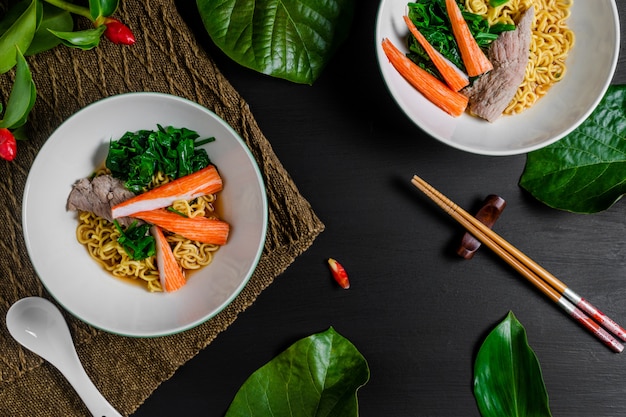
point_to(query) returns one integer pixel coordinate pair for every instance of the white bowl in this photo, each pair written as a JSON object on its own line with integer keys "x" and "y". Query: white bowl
{"x": 76, "y": 281}
{"x": 591, "y": 65}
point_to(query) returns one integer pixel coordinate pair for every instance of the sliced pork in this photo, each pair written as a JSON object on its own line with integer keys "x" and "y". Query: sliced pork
{"x": 98, "y": 196}
{"x": 490, "y": 94}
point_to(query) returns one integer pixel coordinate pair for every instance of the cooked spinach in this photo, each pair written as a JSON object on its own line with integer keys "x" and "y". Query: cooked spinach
{"x": 137, "y": 156}
{"x": 136, "y": 240}
{"x": 431, "y": 19}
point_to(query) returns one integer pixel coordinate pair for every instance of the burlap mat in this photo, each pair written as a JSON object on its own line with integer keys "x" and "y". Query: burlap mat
{"x": 166, "y": 58}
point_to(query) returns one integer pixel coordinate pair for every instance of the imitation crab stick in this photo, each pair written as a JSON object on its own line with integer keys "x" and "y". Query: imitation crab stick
{"x": 202, "y": 182}
{"x": 453, "y": 76}
{"x": 201, "y": 229}
{"x": 474, "y": 59}
{"x": 170, "y": 273}
{"x": 450, "y": 101}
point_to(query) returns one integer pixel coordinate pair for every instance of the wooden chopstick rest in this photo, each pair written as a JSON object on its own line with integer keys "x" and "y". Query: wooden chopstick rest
{"x": 488, "y": 214}
{"x": 574, "y": 305}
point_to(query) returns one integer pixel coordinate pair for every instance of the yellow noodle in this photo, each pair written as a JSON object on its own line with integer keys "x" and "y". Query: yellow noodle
{"x": 550, "y": 44}
{"x": 100, "y": 236}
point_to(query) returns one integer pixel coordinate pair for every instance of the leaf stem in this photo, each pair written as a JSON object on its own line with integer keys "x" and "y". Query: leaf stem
{"x": 72, "y": 8}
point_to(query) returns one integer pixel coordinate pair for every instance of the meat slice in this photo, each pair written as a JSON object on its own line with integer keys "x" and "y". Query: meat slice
{"x": 492, "y": 92}
{"x": 98, "y": 196}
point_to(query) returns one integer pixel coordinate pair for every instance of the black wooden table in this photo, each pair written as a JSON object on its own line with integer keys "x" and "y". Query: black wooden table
{"x": 416, "y": 311}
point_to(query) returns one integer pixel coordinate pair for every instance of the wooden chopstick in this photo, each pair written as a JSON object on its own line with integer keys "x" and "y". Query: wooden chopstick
{"x": 548, "y": 284}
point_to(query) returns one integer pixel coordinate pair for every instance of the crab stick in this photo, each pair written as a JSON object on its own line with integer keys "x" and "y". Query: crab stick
{"x": 202, "y": 182}
{"x": 201, "y": 229}
{"x": 475, "y": 60}
{"x": 170, "y": 273}
{"x": 435, "y": 90}
{"x": 454, "y": 77}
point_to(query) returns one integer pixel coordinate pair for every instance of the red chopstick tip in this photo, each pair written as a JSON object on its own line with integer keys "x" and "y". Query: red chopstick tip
{"x": 591, "y": 325}
{"x": 548, "y": 284}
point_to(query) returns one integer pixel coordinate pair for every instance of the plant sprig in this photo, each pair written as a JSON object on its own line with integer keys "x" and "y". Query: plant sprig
{"x": 34, "y": 26}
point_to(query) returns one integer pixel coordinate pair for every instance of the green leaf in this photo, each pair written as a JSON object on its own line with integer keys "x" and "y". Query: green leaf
{"x": 585, "y": 171}
{"x": 507, "y": 375}
{"x": 13, "y": 14}
{"x": 82, "y": 39}
{"x": 291, "y": 40}
{"x": 55, "y": 19}
{"x": 18, "y": 34}
{"x": 102, "y": 8}
{"x": 316, "y": 376}
{"x": 431, "y": 19}
{"x": 20, "y": 133}
{"x": 137, "y": 156}
{"x": 136, "y": 240}
{"x": 22, "y": 97}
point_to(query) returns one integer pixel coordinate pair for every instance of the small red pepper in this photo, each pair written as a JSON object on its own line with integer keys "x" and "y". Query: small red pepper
{"x": 118, "y": 33}
{"x": 339, "y": 273}
{"x": 8, "y": 145}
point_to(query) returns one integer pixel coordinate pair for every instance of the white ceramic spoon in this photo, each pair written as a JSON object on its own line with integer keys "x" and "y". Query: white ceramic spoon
{"x": 39, "y": 326}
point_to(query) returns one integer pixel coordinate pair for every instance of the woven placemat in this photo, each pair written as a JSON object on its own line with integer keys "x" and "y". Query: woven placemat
{"x": 166, "y": 58}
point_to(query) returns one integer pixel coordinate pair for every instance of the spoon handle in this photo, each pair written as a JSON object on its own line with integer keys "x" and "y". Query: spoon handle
{"x": 91, "y": 396}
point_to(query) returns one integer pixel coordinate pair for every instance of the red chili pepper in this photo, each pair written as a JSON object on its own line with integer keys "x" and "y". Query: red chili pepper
{"x": 8, "y": 145}
{"x": 118, "y": 33}
{"x": 339, "y": 273}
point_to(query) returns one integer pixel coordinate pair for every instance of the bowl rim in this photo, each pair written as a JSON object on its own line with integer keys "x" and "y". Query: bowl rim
{"x": 263, "y": 205}
{"x": 381, "y": 61}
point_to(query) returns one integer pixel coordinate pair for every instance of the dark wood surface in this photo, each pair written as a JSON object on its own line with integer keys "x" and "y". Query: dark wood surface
{"x": 416, "y": 310}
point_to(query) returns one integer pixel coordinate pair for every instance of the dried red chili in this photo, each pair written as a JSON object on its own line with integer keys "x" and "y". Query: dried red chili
{"x": 8, "y": 145}
{"x": 339, "y": 273}
{"x": 118, "y": 33}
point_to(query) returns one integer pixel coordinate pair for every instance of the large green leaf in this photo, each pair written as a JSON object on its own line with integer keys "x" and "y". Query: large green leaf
{"x": 293, "y": 39}
{"x": 585, "y": 172}
{"x": 19, "y": 33}
{"x": 317, "y": 376}
{"x": 507, "y": 376}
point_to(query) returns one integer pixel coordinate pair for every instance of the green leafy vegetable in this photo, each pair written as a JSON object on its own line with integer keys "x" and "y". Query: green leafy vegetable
{"x": 431, "y": 19}
{"x": 507, "y": 375}
{"x": 496, "y": 3}
{"x": 585, "y": 172}
{"x": 137, "y": 156}
{"x": 292, "y": 40}
{"x": 136, "y": 240}
{"x": 316, "y": 376}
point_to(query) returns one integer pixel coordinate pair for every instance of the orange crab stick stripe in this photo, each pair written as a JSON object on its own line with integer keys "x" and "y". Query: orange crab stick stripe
{"x": 202, "y": 182}
{"x": 450, "y": 101}
{"x": 474, "y": 59}
{"x": 170, "y": 273}
{"x": 201, "y": 229}
{"x": 454, "y": 77}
